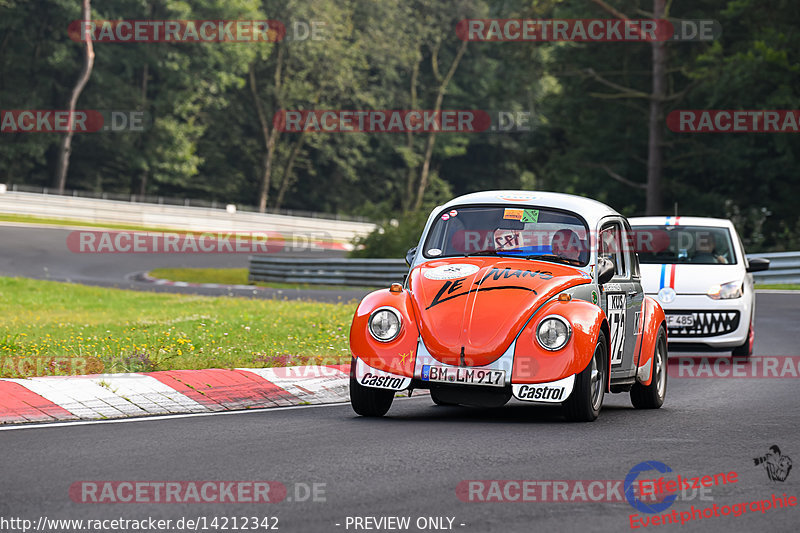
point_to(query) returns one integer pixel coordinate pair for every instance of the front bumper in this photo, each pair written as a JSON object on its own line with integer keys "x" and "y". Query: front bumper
{"x": 718, "y": 324}
{"x": 547, "y": 392}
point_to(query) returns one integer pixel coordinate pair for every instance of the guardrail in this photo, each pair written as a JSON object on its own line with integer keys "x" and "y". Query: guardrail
{"x": 176, "y": 217}
{"x": 352, "y": 272}
{"x": 167, "y": 200}
{"x": 784, "y": 267}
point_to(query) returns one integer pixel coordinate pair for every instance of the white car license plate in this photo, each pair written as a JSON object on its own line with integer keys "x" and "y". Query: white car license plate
{"x": 465, "y": 376}
{"x": 680, "y": 321}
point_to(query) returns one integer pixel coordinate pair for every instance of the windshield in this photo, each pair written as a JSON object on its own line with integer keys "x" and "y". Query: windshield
{"x": 519, "y": 231}
{"x": 700, "y": 245}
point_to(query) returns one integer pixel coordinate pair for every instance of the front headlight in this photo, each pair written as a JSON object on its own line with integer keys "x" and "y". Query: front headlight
{"x": 726, "y": 291}
{"x": 384, "y": 324}
{"x": 553, "y": 332}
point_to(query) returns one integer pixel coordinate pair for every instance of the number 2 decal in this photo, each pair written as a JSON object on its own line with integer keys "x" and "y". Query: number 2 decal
{"x": 616, "y": 323}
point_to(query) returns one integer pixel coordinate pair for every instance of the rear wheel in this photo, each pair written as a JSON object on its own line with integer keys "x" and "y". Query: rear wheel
{"x": 652, "y": 396}
{"x": 586, "y": 399}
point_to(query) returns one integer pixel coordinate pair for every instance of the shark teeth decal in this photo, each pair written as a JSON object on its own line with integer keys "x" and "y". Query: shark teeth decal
{"x": 706, "y": 323}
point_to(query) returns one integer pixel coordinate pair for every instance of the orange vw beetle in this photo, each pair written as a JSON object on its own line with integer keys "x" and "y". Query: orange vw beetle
{"x": 531, "y": 295}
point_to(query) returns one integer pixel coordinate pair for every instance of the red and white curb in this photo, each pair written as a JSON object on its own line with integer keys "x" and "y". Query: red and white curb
{"x": 104, "y": 396}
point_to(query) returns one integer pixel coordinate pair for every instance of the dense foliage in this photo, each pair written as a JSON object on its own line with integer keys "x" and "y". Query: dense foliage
{"x": 212, "y": 107}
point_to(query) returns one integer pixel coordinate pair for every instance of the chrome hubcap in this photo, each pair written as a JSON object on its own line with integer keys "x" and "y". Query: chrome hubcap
{"x": 660, "y": 375}
{"x": 596, "y": 382}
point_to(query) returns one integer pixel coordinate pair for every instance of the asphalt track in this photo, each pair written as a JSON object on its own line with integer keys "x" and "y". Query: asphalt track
{"x": 411, "y": 462}
{"x": 42, "y": 253}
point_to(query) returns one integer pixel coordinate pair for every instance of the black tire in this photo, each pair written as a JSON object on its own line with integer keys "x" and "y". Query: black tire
{"x": 652, "y": 396}
{"x": 746, "y": 349}
{"x": 586, "y": 400}
{"x": 369, "y": 401}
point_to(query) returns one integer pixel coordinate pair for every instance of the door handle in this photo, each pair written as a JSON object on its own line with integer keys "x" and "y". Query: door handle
{"x": 633, "y": 293}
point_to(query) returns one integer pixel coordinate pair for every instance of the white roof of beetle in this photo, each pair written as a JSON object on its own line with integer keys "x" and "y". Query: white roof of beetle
{"x": 591, "y": 210}
{"x": 680, "y": 221}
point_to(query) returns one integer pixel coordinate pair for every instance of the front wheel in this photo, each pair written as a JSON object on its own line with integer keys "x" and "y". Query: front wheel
{"x": 586, "y": 399}
{"x": 369, "y": 401}
{"x": 746, "y": 349}
{"x": 652, "y": 396}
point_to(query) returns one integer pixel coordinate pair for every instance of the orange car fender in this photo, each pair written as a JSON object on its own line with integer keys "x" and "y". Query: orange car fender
{"x": 396, "y": 356}
{"x": 534, "y": 364}
{"x": 652, "y": 320}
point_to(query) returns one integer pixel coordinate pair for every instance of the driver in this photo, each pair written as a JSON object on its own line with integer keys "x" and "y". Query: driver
{"x": 705, "y": 251}
{"x": 567, "y": 244}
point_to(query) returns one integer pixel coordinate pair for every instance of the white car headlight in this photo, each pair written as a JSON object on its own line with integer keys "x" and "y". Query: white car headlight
{"x": 553, "y": 332}
{"x": 384, "y": 324}
{"x": 726, "y": 291}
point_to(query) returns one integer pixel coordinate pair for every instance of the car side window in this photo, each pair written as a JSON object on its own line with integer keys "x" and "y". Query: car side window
{"x": 630, "y": 251}
{"x": 611, "y": 248}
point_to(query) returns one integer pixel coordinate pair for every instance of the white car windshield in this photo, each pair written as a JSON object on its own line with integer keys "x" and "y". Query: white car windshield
{"x": 704, "y": 245}
{"x": 518, "y": 231}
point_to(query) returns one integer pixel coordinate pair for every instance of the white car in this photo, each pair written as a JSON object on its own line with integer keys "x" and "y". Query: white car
{"x": 697, "y": 270}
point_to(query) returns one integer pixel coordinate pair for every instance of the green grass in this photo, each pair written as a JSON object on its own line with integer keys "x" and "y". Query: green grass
{"x": 234, "y": 276}
{"x": 224, "y": 276}
{"x": 57, "y": 328}
{"x": 779, "y": 286}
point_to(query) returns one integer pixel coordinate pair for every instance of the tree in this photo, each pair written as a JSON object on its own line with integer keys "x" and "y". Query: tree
{"x": 88, "y": 62}
{"x": 656, "y": 119}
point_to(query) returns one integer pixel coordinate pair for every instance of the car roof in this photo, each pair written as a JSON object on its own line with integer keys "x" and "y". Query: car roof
{"x": 681, "y": 221}
{"x": 591, "y": 210}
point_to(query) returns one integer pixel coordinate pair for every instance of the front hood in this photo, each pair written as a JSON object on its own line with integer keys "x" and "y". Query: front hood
{"x": 688, "y": 278}
{"x": 471, "y": 309}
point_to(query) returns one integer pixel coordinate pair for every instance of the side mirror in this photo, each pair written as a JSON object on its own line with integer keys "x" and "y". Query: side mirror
{"x": 605, "y": 270}
{"x": 757, "y": 264}
{"x": 410, "y": 255}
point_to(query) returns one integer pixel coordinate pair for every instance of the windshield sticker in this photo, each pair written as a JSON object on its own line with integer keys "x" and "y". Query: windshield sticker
{"x": 530, "y": 215}
{"x": 434, "y": 252}
{"x": 453, "y": 213}
{"x": 445, "y": 217}
{"x": 513, "y": 214}
{"x": 506, "y": 240}
{"x": 454, "y": 271}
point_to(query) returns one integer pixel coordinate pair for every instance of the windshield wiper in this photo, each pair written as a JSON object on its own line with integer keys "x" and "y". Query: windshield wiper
{"x": 554, "y": 258}
{"x": 482, "y": 252}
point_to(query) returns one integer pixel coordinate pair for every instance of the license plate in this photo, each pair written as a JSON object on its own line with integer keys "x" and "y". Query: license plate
{"x": 680, "y": 321}
{"x": 464, "y": 376}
